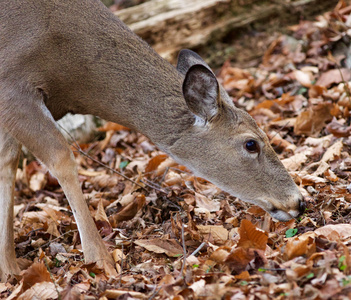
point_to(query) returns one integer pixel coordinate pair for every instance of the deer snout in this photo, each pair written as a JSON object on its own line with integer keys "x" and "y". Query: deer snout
{"x": 302, "y": 206}
{"x": 296, "y": 208}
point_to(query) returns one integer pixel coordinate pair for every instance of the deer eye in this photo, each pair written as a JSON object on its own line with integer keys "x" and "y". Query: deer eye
{"x": 252, "y": 146}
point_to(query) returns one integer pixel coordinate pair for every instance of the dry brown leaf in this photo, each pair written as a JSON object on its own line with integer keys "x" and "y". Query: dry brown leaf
{"x": 129, "y": 211}
{"x": 307, "y": 179}
{"x": 220, "y": 254}
{"x": 112, "y": 126}
{"x": 302, "y": 245}
{"x": 297, "y": 271}
{"x": 277, "y": 141}
{"x": 42, "y": 291}
{"x": 36, "y": 273}
{"x": 243, "y": 276}
{"x": 105, "y": 180}
{"x": 203, "y": 202}
{"x": 335, "y": 232}
{"x": 155, "y": 162}
{"x": 294, "y": 162}
{"x": 251, "y": 236}
{"x": 316, "y": 91}
{"x": 323, "y": 141}
{"x": 91, "y": 173}
{"x": 118, "y": 255}
{"x": 334, "y": 76}
{"x": 256, "y": 211}
{"x": 170, "y": 247}
{"x": 333, "y": 151}
{"x": 338, "y": 129}
{"x": 165, "y": 165}
{"x": 215, "y": 234}
{"x": 100, "y": 214}
{"x": 173, "y": 178}
{"x": 52, "y": 229}
{"x": 238, "y": 259}
{"x": 35, "y": 217}
{"x": 331, "y": 176}
{"x": 37, "y": 181}
{"x": 114, "y": 294}
{"x": 304, "y": 78}
{"x": 313, "y": 120}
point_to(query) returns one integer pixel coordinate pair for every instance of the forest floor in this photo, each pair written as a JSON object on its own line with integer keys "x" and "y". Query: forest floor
{"x": 175, "y": 236}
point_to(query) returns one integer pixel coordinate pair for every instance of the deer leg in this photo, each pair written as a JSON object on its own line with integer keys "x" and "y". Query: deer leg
{"x": 30, "y": 122}
{"x": 9, "y": 155}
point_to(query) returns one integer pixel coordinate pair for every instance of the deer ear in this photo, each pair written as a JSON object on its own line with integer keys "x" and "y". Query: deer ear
{"x": 188, "y": 58}
{"x": 201, "y": 92}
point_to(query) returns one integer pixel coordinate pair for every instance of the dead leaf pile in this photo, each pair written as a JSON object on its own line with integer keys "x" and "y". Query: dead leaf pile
{"x": 175, "y": 236}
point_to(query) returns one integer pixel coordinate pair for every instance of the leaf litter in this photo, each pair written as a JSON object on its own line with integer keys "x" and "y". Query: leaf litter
{"x": 175, "y": 236}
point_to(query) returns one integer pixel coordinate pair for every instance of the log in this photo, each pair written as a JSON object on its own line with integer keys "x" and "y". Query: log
{"x": 170, "y": 25}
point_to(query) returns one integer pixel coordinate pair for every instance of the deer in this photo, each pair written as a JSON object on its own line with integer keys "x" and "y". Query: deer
{"x": 77, "y": 56}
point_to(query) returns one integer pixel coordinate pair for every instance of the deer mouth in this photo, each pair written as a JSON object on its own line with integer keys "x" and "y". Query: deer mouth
{"x": 281, "y": 215}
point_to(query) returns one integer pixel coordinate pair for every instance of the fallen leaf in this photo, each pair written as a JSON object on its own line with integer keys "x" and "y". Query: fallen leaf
{"x": 168, "y": 246}
{"x": 41, "y": 290}
{"x": 215, "y": 234}
{"x": 203, "y": 202}
{"x": 111, "y": 126}
{"x": 238, "y": 259}
{"x": 155, "y": 162}
{"x": 304, "y": 78}
{"x": 302, "y": 245}
{"x": 334, "y": 76}
{"x": 36, "y": 273}
{"x": 114, "y": 294}
{"x": 294, "y": 162}
{"x": 129, "y": 211}
{"x": 335, "y": 232}
{"x": 313, "y": 120}
{"x": 338, "y": 130}
{"x": 333, "y": 151}
{"x": 251, "y": 236}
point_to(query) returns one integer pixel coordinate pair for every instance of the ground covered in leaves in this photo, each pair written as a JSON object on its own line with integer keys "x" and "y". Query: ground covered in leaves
{"x": 174, "y": 236}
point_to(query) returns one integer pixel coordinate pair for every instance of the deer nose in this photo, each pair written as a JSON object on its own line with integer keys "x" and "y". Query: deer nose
{"x": 302, "y": 206}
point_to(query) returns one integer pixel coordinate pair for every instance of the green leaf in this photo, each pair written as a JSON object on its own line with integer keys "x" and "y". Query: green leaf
{"x": 291, "y": 232}
{"x": 346, "y": 281}
{"x": 262, "y": 270}
{"x": 195, "y": 266}
{"x": 301, "y": 91}
{"x": 92, "y": 274}
{"x": 244, "y": 282}
{"x": 341, "y": 264}
{"x": 309, "y": 276}
{"x": 123, "y": 164}
{"x": 57, "y": 262}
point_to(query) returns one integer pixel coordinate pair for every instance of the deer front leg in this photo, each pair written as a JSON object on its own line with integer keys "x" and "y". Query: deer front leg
{"x": 30, "y": 122}
{"x": 9, "y": 154}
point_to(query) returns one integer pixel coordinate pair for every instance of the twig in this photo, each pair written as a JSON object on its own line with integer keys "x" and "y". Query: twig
{"x": 52, "y": 279}
{"x": 155, "y": 293}
{"x": 198, "y": 249}
{"x": 279, "y": 130}
{"x": 109, "y": 168}
{"x": 79, "y": 149}
{"x": 184, "y": 253}
{"x": 154, "y": 186}
{"x": 70, "y": 231}
{"x": 120, "y": 277}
